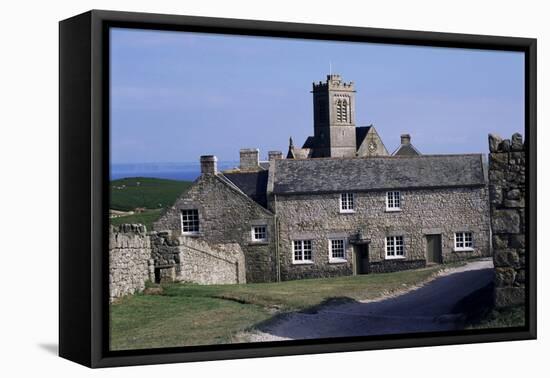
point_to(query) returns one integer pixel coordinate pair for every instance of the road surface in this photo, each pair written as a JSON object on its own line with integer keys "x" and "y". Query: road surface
{"x": 431, "y": 307}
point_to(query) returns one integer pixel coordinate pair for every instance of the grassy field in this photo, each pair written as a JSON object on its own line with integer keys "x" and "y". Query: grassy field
{"x": 146, "y": 218}
{"x": 188, "y": 314}
{"x": 150, "y": 193}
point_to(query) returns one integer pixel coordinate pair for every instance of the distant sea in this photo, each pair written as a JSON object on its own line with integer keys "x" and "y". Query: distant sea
{"x": 187, "y": 171}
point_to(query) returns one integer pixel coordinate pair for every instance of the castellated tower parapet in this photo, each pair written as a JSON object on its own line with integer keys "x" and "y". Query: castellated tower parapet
{"x": 334, "y": 117}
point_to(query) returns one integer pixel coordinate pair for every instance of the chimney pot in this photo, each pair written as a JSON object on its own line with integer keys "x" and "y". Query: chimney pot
{"x": 209, "y": 165}
{"x": 272, "y": 155}
{"x": 250, "y": 159}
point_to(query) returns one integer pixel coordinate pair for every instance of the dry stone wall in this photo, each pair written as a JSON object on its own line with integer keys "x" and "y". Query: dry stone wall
{"x": 187, "y": 259}
{"x": 507, "y": 199}
{"x": 130, "y": 261}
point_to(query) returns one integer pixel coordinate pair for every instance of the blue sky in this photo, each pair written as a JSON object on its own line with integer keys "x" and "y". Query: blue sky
{"x": 178, "y": 95}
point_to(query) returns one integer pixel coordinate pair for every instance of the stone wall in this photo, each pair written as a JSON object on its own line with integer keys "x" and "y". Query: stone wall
{"x": 181, "y": 258}
{"x": 130, "y": 261}
{"x": 226, "y": 215}
{"x": 507, "y": 198}
{"x": 423, "y": 212}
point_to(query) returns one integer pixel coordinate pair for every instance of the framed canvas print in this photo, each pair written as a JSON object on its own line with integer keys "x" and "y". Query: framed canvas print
{"x": 234, "y": 188}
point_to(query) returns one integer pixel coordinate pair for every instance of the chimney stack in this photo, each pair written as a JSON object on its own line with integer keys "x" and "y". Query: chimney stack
{"x": 405, "y": 139}
{"x": 273, "y": 155}
{"x": 250, "y": 159}
{"x": 209, "y": 165}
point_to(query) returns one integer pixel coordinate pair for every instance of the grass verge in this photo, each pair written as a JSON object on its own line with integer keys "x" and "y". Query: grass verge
{"x": 190, "y": 314}
{"x": 513, "y": 316}
{"x": 147, "y": 217}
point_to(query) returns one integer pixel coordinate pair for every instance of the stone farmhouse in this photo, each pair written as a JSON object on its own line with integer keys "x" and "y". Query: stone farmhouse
{"x": 339, "y": 205}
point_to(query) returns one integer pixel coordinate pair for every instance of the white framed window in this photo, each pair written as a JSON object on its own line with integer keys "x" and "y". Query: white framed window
{"x": 347, "y": 203}
{"x": 393, "y": 201}
{"x": 395, "y": 248}
{"x": 190, "y": 221}
{"x": 337, "y": 250}
{"x": 301, "y": 252}
{"x": 259, "y": 233}
{"x": 464, "y": 241}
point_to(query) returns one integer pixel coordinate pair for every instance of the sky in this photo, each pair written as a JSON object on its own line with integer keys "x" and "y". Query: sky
{"x": 178, "y": 95}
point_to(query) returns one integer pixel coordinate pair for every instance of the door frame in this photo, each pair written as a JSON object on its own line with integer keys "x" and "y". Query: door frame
{"x": 440, "y": 248}
{"x": 358, "y": 251}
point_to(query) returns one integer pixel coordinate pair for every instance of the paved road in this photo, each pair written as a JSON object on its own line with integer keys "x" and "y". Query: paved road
{"x": 429, "y": 308}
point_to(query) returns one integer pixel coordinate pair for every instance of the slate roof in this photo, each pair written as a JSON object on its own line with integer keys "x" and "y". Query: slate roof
{"x": 377, "y": 173}
{"x": 309, "y": 143}
{"x": 406, "y": 150}
{"x": 253, "y": 184}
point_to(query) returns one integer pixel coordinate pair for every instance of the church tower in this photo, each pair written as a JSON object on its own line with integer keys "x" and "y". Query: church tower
{"x": 334, "y": 118}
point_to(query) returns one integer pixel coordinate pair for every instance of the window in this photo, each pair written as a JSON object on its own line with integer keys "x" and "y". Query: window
{"x": 394, "y": 247}
{"x": 341, "y": 111}
{"x": 464, "y": 241}
{"x": 346, "y": 203}
{"x": 337, "y": 250}
{"x": 344, "y": 111}
{"x": 301, "y": 251}
{"x": 393, "y": 201}
{"x": 259, "y": 233}
{"x": 190, "y": 221}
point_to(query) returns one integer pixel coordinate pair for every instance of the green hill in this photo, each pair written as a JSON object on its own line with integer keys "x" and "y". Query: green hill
{"x": 151, "y": 193}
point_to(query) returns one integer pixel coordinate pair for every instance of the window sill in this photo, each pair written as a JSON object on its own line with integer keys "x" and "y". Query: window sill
{"x": 347, "y": 211}
{"x": 259, "y": 242}
{"x": 337, "y": 261}
{"x": 392, "y": 210}
{"x": 192, "y": 234}
{"x": 395, "y": 257}
{"x": 463, "y": 249}
{"x": 307, "y": 262}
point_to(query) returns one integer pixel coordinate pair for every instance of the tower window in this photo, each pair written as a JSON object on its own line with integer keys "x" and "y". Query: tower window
{"x": 342, "y": 111}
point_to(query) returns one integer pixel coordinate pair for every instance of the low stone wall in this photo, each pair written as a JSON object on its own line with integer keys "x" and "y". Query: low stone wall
{"x": 181, "y": 258}
{"x": 130, "y": 262}
{"x": 396, "y": 265}
{"x": 507, "y": 200}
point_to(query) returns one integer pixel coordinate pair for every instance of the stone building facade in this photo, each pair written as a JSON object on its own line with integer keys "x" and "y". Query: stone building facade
{"x": 340, "y": 204}
{"x": 508, "y": 222}
{"x": 226, "y": 214}
{"x": 307, "y": 209}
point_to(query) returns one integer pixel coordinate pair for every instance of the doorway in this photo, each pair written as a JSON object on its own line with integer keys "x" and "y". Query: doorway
{"x": 361, "y": 258}
{"x": 433, "y": 249}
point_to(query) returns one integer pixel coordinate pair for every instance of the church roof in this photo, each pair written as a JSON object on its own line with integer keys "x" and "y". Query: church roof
{"x": 253, "y": 184}
{"x": 361, "y": 134}
{"x": 309, "y": 143}
{"x": 377, "y": 173}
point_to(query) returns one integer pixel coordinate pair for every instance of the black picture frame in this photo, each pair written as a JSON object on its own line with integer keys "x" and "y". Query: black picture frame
{"x": 84, "y": 194}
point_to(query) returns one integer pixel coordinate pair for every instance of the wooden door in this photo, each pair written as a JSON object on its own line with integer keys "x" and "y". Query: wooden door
{"x": 433, "y": 249}
{"x": 361, "y": 259}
